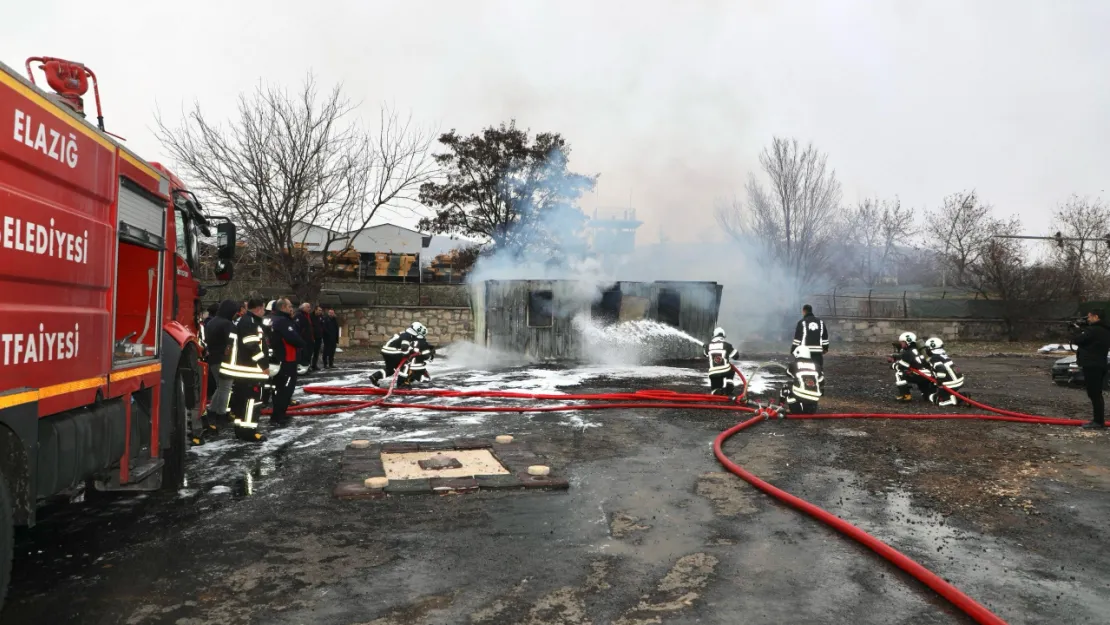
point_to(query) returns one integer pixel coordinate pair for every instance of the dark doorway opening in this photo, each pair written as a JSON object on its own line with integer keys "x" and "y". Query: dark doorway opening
{"x": 607, "y": 310}
{"x": 670, "y": 307}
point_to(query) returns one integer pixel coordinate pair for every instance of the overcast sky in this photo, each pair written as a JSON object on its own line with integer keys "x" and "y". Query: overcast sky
{"x": 670, "y": 102}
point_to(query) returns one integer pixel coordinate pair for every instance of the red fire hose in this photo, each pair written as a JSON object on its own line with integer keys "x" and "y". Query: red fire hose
{"x": 697, "y": 401}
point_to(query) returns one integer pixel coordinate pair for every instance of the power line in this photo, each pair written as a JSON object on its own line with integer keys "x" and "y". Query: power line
{"x": 1059, "y": 238}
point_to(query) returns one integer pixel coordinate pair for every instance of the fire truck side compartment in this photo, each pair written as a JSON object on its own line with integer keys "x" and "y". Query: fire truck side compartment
{"x": 76, "y": 445}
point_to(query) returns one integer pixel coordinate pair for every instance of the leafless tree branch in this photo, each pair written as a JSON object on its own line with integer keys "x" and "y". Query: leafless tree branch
{"x": 289, "y": 160}
{"x": 795, "y": 215}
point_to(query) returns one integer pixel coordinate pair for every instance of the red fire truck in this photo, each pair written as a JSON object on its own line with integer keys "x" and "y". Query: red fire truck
{"x": 101, "y": 376}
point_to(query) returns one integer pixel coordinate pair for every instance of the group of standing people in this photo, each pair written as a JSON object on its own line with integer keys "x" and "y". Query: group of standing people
{"x": 255, "y": 352}
{"x": 319, "y": 327}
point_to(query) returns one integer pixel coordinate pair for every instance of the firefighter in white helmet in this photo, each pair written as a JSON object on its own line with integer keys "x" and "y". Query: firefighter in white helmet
{"x": 399, "y": 348}
{"x": 904, "y": 363}
{"x": 721, "y": 353}
{"x": 946, "y": 373}
{"x": 804, "y": 391}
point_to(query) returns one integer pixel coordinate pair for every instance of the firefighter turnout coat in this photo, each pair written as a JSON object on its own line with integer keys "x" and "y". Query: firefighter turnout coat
{"x": 805, "y": 386}
{"x": 945, "y": 371}
{"x": 401, "y": 344}
{"x": 247, "y": 358}
{"x": 720, "y": 352}
{"x": 812, "y": 333}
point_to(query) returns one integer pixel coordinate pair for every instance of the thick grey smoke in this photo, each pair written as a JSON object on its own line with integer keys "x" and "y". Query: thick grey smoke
{"x": 755, "y": 299}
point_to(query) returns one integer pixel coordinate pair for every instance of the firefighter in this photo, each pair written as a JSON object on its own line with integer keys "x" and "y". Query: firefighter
{"x": 721, "y": 353}
{"x": 218, "y": 335}
{"x": 399, "y": 347}
{"x": 812, "y": 333}
{"x": 903, "y": 363}
{"x": 946, "y": 373}
{"x": 415, "y": 368}
{"x": 287, "y": 346}
{"x": 248, "y": 364}
{"x": 804, "y": 392}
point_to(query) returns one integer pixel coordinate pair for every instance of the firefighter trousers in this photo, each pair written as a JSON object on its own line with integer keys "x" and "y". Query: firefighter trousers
{"x": 285, "y": 382}
{"x": 392, "y": 361}
{"x": 904, "y": 380}
{"x": 722, "y": 383}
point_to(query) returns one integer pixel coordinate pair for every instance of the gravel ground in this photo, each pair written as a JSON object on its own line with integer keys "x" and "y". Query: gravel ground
{"x": 650, "y": 531}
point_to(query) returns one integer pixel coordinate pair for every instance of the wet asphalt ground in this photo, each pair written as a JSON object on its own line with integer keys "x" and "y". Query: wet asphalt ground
{"x": 651, "y": 530}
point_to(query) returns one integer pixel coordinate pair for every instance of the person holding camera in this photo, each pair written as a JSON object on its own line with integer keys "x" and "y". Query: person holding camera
{"x": 1092, "y": 339}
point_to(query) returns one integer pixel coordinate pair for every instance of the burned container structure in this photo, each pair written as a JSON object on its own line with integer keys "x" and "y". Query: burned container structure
{"x": 541, "y": 318}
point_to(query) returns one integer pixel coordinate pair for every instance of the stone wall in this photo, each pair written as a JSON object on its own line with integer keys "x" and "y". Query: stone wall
{"x": 384, "y": 293}
{"x": 372, "y": 326}
{"x": 855, "y": 330}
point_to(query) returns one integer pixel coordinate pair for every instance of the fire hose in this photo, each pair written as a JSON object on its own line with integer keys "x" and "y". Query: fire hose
{"x": 698, "y": 401}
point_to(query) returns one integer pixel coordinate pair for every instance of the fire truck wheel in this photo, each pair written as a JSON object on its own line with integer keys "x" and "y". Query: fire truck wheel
{"x": 173, "y": 473}
{"x": 7, "y": 530}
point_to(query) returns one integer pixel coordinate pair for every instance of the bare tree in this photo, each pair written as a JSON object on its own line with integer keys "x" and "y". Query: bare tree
{"x": 1003, "y": 272}
{"x": 795, "y": 217}
{"x": 876, "y": 235}
{"x": 1084, "y": 264}
{"x": 959, "y": 232}
{"x": 292, "y": 166}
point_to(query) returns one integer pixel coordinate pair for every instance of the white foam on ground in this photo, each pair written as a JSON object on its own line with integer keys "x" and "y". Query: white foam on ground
{"x": 229, "y": 457}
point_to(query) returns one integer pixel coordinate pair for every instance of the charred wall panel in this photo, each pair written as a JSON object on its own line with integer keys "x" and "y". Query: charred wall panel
{"x": 511, "y": 309}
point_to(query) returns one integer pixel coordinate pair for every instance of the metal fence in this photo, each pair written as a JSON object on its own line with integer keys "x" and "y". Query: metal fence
{"x": 910, "y": 305}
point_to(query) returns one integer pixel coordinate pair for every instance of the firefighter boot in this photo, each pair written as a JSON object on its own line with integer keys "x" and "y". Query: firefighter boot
{"x": 249, "y": 434}
{"x": 377, "y": 377}
{"x": 209, "y": 426}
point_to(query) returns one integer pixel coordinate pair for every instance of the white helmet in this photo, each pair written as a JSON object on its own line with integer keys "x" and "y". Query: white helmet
{"x": 934, "y": 343}
{"x": 418, "y": 329}
{"x": 801, "y": 351}
{"x": 908, "y": 337}
{"x": 718, "y": 333}
{"x": 270, "y": 305}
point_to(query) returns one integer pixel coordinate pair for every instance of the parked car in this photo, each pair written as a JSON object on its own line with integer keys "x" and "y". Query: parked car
{"x": 1066, "y": 373}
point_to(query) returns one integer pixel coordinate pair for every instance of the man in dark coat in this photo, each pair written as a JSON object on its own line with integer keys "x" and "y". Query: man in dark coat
{"x": 317, "y": 336}
{"x": 1093, "y": 342}
{"x": 331, "y": 338}
{"x": 302, "y": 319}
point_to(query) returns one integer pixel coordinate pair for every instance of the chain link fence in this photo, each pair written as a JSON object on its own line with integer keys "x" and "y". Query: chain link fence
{"x": 932, "y": 304}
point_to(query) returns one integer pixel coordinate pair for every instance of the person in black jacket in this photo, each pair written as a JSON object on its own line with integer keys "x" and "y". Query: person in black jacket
{"x": 1093, "y": 342}
{"x": 331, "y": 338}
{"x": 302, "y": 320}
{"x": 287, "y": 346}
{"x": 317, "y": 336}
{"x": 811, "y": 333}
{"x": 217, "y": 335}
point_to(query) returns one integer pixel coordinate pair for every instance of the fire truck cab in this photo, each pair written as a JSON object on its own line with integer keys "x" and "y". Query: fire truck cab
{"x": 101, "y": 372}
